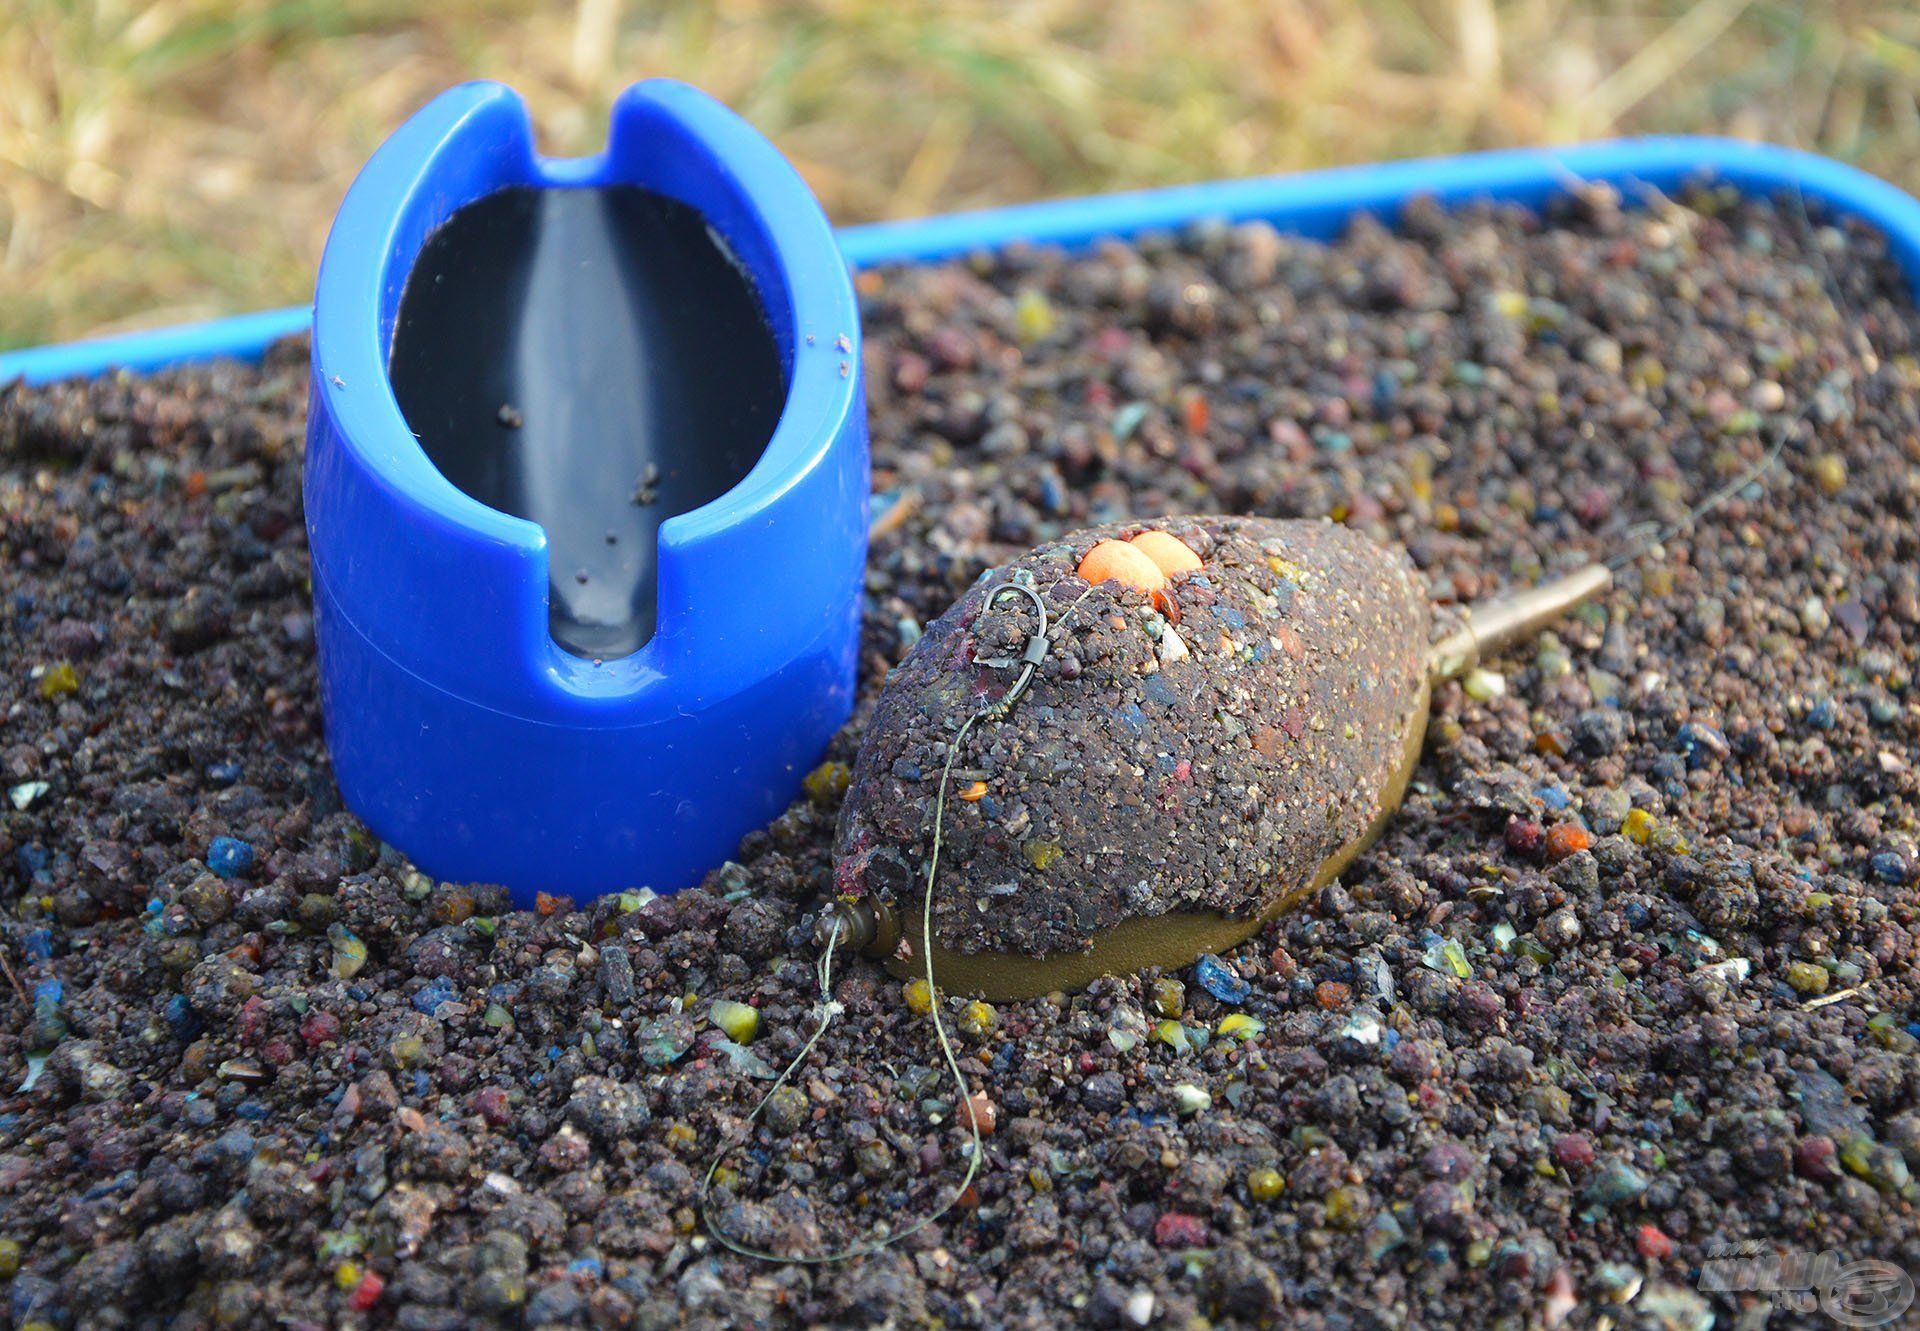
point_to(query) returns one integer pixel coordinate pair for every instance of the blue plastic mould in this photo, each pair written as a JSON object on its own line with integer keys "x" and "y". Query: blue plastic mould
{"x": 465, "y": 690}
{"x": 469, "y": 722}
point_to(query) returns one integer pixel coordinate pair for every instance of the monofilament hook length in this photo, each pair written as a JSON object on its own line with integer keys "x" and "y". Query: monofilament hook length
{"x": 1032, "y": 654}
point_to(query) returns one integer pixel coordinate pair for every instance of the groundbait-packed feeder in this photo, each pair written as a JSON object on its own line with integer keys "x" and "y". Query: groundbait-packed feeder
{"x": 586, "y": 489}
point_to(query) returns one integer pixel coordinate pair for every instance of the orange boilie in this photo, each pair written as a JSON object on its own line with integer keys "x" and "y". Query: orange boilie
{"x": 1143, "y": 562}
{"x": 1119, "y": 561}
{"x": 1171, "y": 555}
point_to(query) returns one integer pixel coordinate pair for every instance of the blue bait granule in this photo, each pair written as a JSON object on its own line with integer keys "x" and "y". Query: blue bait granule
{"x": 432, "y": 994}
{"x": 1221, "y": 980}
{"x": 1700, "y": 744}
{"x": 1053, "y": 494}
{"x": 1386, "y": 388}
{"x": 182, "y": 1018}
{"x": 33, "y": 859}
{"x": 229, "y": 857}
{"x": 1890, "y": 866}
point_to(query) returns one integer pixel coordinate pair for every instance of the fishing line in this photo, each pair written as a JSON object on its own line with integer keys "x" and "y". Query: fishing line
{"x": 1032, "y": 654}
{"x": 1751, "y": 473}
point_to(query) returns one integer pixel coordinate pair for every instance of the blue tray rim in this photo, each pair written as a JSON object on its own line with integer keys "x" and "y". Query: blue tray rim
{"x": 1314, "y": 204}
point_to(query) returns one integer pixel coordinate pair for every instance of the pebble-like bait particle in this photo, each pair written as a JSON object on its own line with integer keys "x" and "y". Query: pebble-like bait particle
{"x": 1221, "y": 980}
{"x": 1043, "y": 855}
{"x": 229, "y": 857}
{"x": 740, "y": 1021}
{"x": 1447, "y": 957}
{"x": 826, "y": 783}
{"x": 977, "y": 1019}
{"x": 1483, "y": 685}
{"x": 919, "y": 997}
{"x": 367, "y": 1293}
{"x": 1830, "y": 473}
{"x": 1173, "y": 1035}
{"x": 1615, "y": 1184}
{"x": 56, "y": 681}
{"x": 1564, "y": 839}
{"x": 1033, "y": 312}
{"x": 1363, "y": 1028}
{"x": 1190, "y": 1099}
{"x": 349, "y": 953}
{"x": 1263, "y": 1185}
{"x": 1807, "y": 978}
{"x": 1638, "y": 826}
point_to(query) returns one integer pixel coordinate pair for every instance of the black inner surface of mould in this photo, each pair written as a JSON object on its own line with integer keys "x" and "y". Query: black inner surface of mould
{"x": 593, "y": 360}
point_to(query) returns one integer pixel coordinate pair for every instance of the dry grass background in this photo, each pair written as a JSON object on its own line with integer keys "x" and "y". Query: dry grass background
{"x": 178, "y": 159}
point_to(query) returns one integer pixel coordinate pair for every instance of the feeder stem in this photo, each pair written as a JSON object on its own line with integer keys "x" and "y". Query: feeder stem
{"x": 1491, "y": 626}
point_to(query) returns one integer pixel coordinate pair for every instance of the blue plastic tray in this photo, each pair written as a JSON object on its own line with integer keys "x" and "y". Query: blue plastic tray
{"x": 1316, "y": 204}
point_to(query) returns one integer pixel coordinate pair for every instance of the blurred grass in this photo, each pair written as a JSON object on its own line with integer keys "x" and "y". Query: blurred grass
{"x": 181, "y": 159}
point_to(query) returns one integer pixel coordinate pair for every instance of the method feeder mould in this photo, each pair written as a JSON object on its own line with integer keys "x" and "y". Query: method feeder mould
{"x": 1184, "y": 730}
{"x": 564, "y": 412}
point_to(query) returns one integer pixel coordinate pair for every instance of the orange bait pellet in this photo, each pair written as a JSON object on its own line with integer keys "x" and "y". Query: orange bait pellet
{"x": 1118, "y": 561}
{"x": 974, "y": 793}
{"x": 1171, "y": 555}
{"x": 1566, "y": 839}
